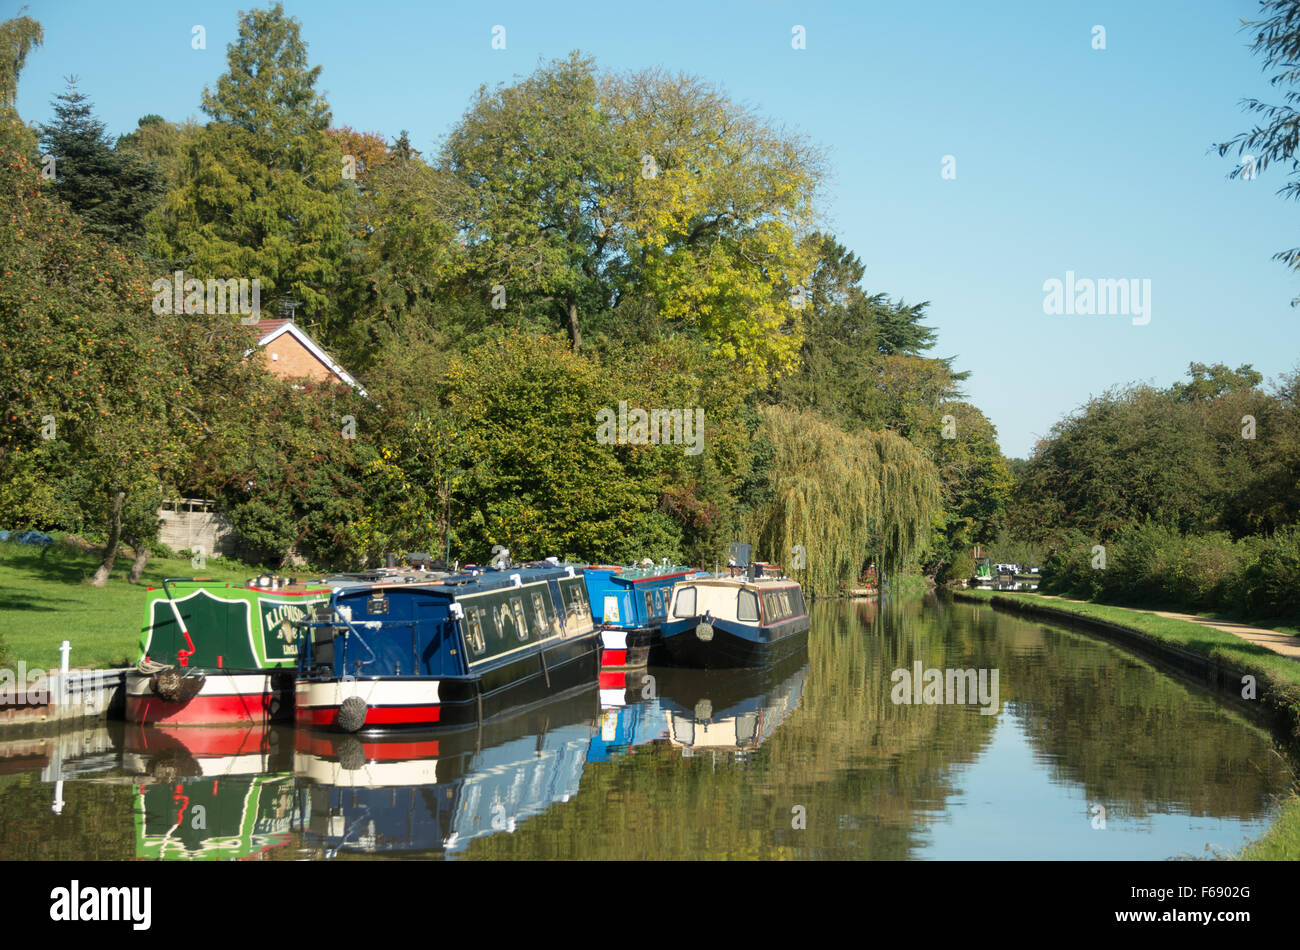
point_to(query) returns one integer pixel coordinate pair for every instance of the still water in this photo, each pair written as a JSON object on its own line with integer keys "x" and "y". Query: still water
{"x": 1089, "y": 753}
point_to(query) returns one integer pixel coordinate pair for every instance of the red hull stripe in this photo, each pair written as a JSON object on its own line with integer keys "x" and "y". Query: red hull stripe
{"x": 203, "y": 710}
{"x": 375, "y": 715}
{"x": 217, "y": 740}
{"x": 316, "y": 744}
{"x": 613, "y": 658}
{"x": 613, "y": 681}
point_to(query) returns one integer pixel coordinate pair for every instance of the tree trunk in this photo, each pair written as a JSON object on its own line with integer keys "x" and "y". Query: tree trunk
{"x": 114, "y": 539}
{"x": 575, "y": 334}
{"x": 141, "y": 559}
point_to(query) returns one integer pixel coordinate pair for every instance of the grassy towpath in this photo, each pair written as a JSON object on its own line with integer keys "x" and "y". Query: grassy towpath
{"x": 45, "y": 599}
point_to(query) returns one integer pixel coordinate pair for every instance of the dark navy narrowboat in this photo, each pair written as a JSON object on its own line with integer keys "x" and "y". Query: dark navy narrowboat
{"x": 455, "y": 651}
{"x": 629, "y": 604}
{"x": 726, "y": 622}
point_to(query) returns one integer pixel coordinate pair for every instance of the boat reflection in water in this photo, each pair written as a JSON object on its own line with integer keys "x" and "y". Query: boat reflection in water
{"x": 629, "y": 716}
{"x": 210, "y": 794}
{"x": 733, "y": 710}
{"x": 434, "y": 793}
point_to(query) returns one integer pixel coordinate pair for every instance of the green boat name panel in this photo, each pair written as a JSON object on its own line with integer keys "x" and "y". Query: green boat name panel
{"x": 280, "y": 630}
{"x": 230, "y": 628}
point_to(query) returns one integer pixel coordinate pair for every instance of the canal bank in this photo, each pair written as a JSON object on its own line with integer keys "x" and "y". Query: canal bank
{"x": 1248, "y": 673}
{"x": 1250, "y": 676}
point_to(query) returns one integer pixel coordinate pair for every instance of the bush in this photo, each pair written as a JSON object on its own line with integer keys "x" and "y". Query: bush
{"x": 1068, "y": 569}
{"x": 1271, "y": 584}
{"x": 962, "y": 567}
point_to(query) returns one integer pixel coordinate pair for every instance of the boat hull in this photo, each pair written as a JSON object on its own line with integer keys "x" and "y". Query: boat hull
{"x": 733, "y": 646}
{"x": 255, "y": 697}
{"x": 626, "y": 649}
{"x": 388, "y": 703}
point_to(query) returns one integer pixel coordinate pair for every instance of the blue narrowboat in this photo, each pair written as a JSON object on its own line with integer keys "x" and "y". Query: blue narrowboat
{"x": 730, "y": 622}
{"x": 456, "y": 651}
{"x": 629, "y": 604}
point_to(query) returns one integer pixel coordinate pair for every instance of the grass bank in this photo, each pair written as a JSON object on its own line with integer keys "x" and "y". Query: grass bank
{"x": 45, "y": 599}
{"x": 1282, "y": 842}
{"x": 1278, "y": 682}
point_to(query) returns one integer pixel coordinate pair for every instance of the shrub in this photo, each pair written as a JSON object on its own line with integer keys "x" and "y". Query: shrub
{"x": 962, "y": 567}
{"x": 1272, "y": 582}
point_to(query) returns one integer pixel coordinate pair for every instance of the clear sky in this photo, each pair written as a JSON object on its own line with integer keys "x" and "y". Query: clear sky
{"x": 1067, "y": 158}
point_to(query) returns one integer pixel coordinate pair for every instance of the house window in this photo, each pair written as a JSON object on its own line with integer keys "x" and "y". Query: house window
{"x": 685, "y": 604}
{"x": 747, "y": 606}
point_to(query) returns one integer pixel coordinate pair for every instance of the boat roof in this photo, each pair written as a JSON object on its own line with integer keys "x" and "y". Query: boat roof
{"x": 639, "y": 575}
{"x": 764, "y": 581}
{"x": 475, "y": 581}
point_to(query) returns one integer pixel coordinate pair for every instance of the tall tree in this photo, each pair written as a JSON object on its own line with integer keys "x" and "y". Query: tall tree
{"x": 535, "y": 160}
{"x": 716, "y": 218}
{"x": 92, "y": 382}
{"x": 263, "y": 193}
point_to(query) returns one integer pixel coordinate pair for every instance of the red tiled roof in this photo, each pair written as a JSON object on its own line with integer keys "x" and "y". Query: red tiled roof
{"x": 269, "y": 326}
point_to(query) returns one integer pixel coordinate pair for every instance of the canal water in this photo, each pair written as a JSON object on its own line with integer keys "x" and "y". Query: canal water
{"x": 1081, "y": 752}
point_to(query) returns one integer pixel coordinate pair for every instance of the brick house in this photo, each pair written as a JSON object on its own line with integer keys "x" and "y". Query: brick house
{"x": 292, "y": 354}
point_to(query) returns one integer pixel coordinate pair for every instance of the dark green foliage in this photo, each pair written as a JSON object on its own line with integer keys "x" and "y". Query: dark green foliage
{"x": 113, "y": 191}
{"x": 1152, "y": 565}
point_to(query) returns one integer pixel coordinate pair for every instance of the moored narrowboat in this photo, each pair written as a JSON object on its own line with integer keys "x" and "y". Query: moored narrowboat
{"x": 455, "y": 651}
{"x": 214, "y": 653}
{"x": 726, "y": 622}
{"x": 628, "y": 605}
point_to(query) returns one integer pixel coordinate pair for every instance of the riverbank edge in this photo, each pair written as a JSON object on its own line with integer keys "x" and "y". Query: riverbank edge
{"x": 1282, "y": 698}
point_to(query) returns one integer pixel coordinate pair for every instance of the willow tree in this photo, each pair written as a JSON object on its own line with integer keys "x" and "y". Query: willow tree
{"x": 844, "y": 499}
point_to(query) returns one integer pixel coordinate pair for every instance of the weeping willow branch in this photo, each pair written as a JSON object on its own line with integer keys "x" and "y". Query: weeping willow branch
{"x": 845, "y": 499}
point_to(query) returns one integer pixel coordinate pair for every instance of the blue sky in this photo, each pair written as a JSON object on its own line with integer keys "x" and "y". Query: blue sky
{"x": 1067, "y": 158}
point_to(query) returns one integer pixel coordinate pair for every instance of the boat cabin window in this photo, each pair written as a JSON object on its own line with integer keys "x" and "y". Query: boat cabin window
{"x": 747, "y": 606}
{"x": 474, "y": 630}
{"x": 659, "y": 603}
{"x": 577, "y": 610}
{"x": 543, "y": 624}
{"x": 521, "y": 626}
{"x": 649, "y": 605}
{"x": 685, "y": 605}
{"x": 777, "y": 605}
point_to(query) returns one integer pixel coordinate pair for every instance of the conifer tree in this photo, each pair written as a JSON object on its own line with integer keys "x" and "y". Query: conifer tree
{"x": 112, "y": 191}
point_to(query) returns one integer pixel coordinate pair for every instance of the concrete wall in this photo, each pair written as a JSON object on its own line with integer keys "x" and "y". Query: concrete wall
{"x": 86, "y": 694}
{"x": 189, "y": 524}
